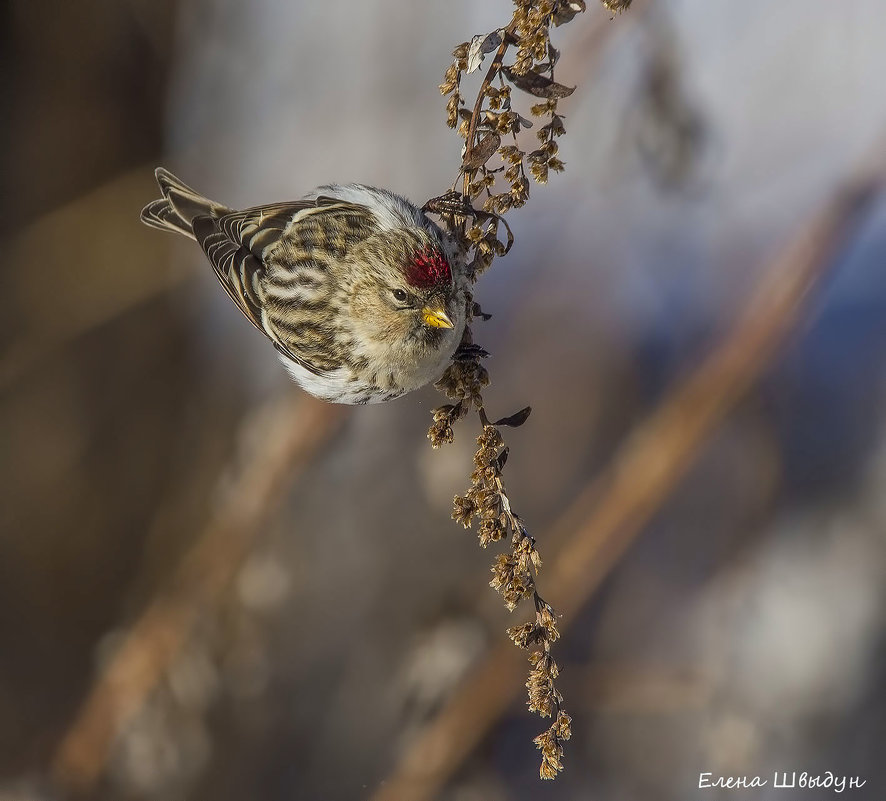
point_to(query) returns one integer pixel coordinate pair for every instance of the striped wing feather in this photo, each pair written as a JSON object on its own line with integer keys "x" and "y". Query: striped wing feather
{"x": 237, "y": 243}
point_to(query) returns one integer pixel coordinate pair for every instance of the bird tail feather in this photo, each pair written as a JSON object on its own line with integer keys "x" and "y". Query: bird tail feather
{"x": 179, "y": 206}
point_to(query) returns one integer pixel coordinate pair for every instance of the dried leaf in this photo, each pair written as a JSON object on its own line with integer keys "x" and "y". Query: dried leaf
{"x": 482, "y": 151}
{"x": 537, "y": 84}
{"x": 510, "y": 242}
{"x": 501, "y": 459}
{"x": 480, "y": 46}
{"x": 495, "y": 219}
{"x": 515, "y": 420}
{"x": 478, "y": 312}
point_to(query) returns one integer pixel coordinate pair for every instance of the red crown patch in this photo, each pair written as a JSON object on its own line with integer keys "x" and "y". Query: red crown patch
{"x": 428, "y": 268}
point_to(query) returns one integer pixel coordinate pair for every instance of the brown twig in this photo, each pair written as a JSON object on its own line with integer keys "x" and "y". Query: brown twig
{"x": 494, "y": 67}
{"x": 611, "y": 512}
{"x": 279, "y": 441}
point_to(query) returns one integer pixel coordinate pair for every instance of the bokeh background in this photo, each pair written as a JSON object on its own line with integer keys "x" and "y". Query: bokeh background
{"x": 299, "y": 645}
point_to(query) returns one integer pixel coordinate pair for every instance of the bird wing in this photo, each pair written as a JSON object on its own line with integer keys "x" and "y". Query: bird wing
{"x": 236, "y": 245}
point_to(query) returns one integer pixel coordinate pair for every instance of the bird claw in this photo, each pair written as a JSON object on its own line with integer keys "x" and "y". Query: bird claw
{"x": 452, "y": 203}
{"x": 469, "y": 353}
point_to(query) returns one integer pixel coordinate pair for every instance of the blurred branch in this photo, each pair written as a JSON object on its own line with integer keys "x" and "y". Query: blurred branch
{"x": 52, "y": 298}
{"x": 598, "y": 528}
{"x": 644, "y": 689}
{"x": 277, "y": 442}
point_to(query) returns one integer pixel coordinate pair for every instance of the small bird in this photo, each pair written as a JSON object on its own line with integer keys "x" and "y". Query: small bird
{"x": 361, "y": 293}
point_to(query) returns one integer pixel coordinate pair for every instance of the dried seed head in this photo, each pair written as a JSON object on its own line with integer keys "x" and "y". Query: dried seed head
{"x": 452, "y": 109}
{"x": 527, "y": 634}
{"x": 450, "y": 79}
{"x": 520, "y": 191}
{"x": 544, "y": 109}
{"x": 563, "y": 726}
{"x": 546, "y": 621}
{"x": 475, "y": 234}
{"x": 490, "y": 439}
{"x": 542, "y": 694}
{"x": 556, "y": 126}
{"x": 463, "y": 510}
{"x": 490, "y": 531}
{"x": 539, "y": 171}
{"x": 511, "y": 580}
{"x": 444, "y": 418}
{"x": 551, "y": 753}
{"x": 550, "y": 743}
{"x": 463, "y": 381}
{"x": 441, "y": 433}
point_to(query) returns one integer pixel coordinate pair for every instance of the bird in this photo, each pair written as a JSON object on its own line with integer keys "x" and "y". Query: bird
{"x": 362, "y": 295}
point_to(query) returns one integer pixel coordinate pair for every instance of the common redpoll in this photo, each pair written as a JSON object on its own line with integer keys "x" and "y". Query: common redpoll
{"x": 358, "y": 290}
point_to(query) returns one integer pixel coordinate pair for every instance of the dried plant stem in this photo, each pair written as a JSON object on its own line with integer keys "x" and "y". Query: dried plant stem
{"x": 491, "y": 73}
{"x": 610, "y": 513}
{"x": 475, "y": 232}
{"x": 280, "y": 441}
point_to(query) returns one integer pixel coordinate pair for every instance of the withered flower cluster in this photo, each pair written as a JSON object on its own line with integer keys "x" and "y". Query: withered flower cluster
{"x": 495, "y": 171}
{"x": 514, "y": 571}
{"x": 514, "y": 578}
{"x": 493, "y": 118}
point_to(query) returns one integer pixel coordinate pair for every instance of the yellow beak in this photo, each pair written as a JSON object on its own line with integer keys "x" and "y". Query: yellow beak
{"x": 436, "y": 317}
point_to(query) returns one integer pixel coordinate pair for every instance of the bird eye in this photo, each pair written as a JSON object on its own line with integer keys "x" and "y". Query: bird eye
{"x": 400, "y": 296}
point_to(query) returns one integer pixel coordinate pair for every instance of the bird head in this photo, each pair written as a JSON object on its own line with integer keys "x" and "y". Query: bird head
{"x": 404, "y": 290}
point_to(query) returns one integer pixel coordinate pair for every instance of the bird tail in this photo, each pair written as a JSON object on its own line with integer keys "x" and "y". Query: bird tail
{"x": 179, "y": 206}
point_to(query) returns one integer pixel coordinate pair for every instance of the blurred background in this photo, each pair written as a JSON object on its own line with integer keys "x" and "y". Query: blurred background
{"x": 300, "y": 616}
